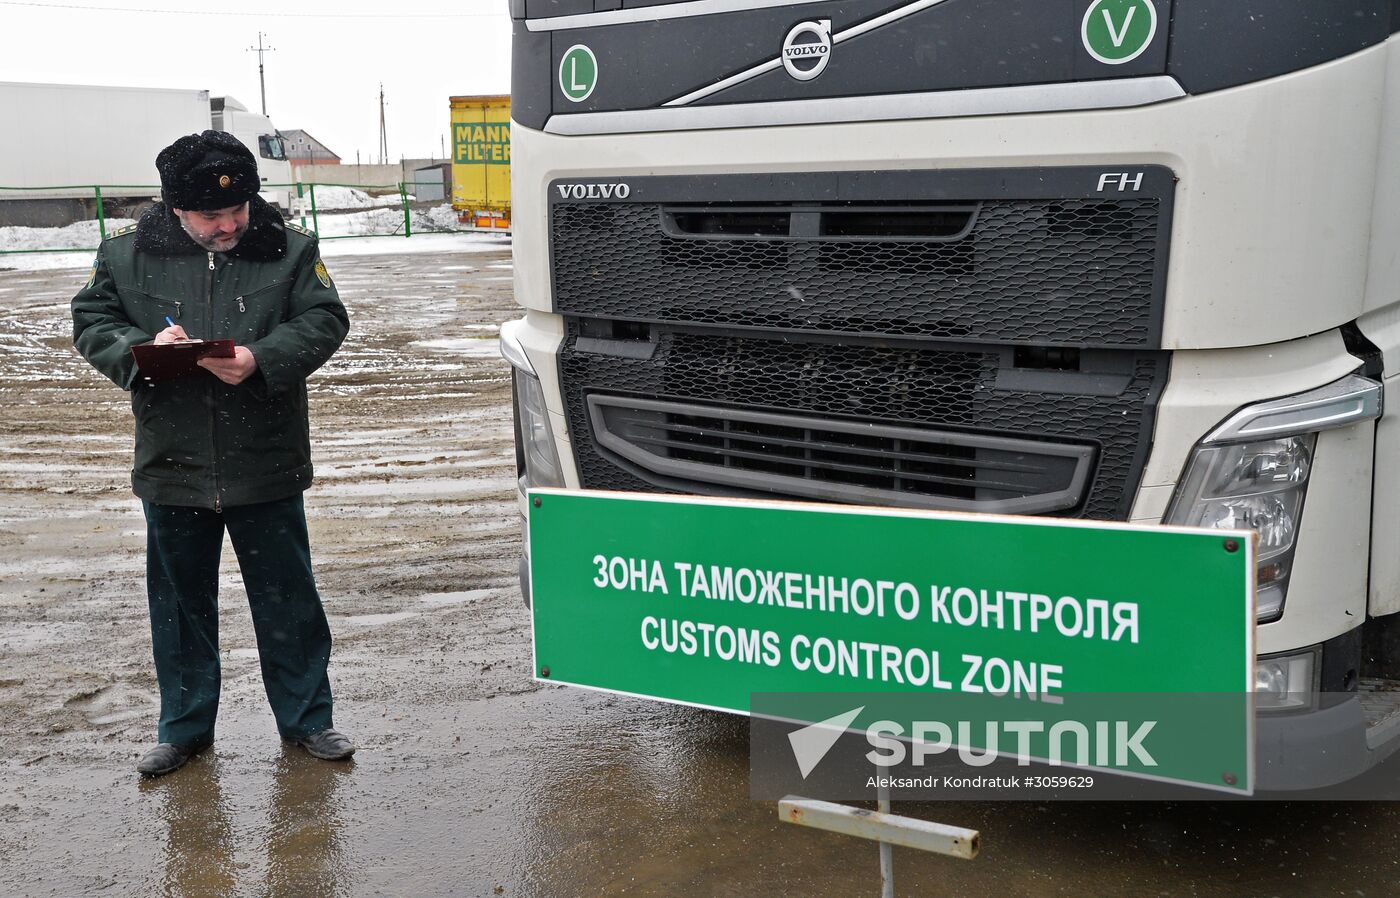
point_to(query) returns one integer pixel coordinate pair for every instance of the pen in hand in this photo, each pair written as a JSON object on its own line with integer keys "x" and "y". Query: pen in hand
{"x": 173, "y": 333}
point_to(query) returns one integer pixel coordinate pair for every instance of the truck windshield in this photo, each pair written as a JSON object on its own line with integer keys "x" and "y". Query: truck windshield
{"x": 270, "y": 147}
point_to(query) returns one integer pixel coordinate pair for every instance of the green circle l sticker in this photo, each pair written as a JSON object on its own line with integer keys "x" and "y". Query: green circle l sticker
{"x": 578, "y": 73}
{"x": 1118, "y": 31}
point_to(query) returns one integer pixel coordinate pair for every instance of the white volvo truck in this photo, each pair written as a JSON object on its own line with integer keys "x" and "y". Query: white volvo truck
{"x": 1127, "y": 260}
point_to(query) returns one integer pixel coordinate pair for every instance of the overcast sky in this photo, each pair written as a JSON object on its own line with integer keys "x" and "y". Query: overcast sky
{"x": 323, "y": 77}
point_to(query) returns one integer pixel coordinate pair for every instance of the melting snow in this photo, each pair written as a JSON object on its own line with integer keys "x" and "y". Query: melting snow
{"x": 82, "y": 236}
{"x": 472, "y": 346}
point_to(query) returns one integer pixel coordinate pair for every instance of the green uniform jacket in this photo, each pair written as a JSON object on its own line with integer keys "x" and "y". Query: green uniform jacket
{"x": 199, "y": 441}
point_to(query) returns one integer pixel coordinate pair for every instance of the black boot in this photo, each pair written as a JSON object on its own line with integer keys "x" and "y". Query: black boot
{"x": 167, "y": 757}
{"x": 328, "y": 745}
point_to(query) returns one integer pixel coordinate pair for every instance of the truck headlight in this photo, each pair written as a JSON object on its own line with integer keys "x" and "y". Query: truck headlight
{"x": 1251, "y": 486}
{"x": 536, "y": 459}
{"x": 1251, "y": 472}
{"x": 1285, "y": 682}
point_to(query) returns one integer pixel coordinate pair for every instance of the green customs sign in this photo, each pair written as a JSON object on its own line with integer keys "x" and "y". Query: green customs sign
{"x": 706, "y": 602}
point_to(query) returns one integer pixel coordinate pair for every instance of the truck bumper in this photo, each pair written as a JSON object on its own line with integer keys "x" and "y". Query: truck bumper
{"x": 1320, "y": 748}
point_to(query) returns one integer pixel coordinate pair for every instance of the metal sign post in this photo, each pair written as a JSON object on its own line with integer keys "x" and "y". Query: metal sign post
{"x": 882, "y": 804}
{"x": 884, "y": 827}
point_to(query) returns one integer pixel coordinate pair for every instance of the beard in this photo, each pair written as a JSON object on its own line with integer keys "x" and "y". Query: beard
{"x": 214, "y": 244}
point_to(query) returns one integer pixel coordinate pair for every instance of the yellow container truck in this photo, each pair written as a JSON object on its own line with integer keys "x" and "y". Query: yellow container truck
{"x": 481, "y": 161}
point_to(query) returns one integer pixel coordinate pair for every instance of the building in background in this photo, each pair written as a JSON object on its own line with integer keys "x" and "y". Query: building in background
{"x": 431, "y": 183}
{"x": 303, "y": 149}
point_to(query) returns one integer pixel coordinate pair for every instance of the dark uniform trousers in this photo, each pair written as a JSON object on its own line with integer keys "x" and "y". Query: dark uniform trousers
{"x": 182, "y": 580}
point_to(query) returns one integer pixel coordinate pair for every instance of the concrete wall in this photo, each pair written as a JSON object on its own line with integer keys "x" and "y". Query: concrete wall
{"x": 383, "y": 176}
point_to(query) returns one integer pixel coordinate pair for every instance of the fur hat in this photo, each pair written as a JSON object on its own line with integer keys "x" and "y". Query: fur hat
{"x": 212, "y": 170}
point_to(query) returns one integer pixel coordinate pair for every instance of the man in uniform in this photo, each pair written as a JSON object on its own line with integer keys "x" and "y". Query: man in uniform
{"x": 225, "y": 448}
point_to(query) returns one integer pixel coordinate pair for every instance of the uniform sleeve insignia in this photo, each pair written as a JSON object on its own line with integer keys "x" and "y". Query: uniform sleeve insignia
{"x": 321, "y": 274}
{"x": 93, "y": 276}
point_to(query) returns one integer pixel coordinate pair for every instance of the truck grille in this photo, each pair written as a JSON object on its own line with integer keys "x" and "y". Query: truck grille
{"x": 840, "y": 461}
{"x": 976, "y": 339}
{"x": 1078, "y": 272}
{"x": 919, "y": 427}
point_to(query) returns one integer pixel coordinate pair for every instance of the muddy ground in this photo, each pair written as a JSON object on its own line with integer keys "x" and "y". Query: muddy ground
{"x": 472, "y": 780}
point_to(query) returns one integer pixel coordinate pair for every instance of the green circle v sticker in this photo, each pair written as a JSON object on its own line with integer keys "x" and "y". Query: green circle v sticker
{"x": 1118, "y": 31}
{"x": 578, "y": 73}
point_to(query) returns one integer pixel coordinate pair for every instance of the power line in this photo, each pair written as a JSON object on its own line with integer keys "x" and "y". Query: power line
{"x": 279, "y": 15}
{"x": 262, "y": 85}
{"x": 383, "y": 135}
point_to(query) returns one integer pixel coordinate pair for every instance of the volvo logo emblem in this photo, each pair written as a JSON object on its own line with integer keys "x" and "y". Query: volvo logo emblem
{"x": 619, "y": 191}
{"x": 807, "y": 49}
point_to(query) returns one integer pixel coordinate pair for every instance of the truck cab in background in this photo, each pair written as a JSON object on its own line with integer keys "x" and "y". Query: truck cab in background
{"x": 1125, "y": 260}
{"x": 258, "y": 134}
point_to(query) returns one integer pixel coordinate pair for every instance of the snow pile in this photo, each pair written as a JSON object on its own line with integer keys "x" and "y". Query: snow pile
{"x": 358, "y": 224}
{"x": 441, "y": 218}
{"x": 81, "y": 237}
{"x": 386, "y": 221}
{"x": 350, "y": 198}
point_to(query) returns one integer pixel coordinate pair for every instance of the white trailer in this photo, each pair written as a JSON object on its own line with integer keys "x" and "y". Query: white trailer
{"x": 68, "y": 139}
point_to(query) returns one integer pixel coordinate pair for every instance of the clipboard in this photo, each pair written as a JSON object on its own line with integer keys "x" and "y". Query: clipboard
{"x": 168, "y": 361}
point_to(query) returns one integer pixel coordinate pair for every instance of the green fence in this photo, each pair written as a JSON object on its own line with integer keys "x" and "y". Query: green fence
{"x": 373, "y": 210}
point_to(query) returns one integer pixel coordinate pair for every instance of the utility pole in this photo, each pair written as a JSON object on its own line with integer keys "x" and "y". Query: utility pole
{"x": 262, "y": 85}
{"x": 383, "y": 135}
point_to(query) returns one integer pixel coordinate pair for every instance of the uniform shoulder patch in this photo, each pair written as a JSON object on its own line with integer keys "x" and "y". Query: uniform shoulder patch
{"x": 129, "y": 229}
{"x": 292, "y": 226}
{"x": 322, "y": 274}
